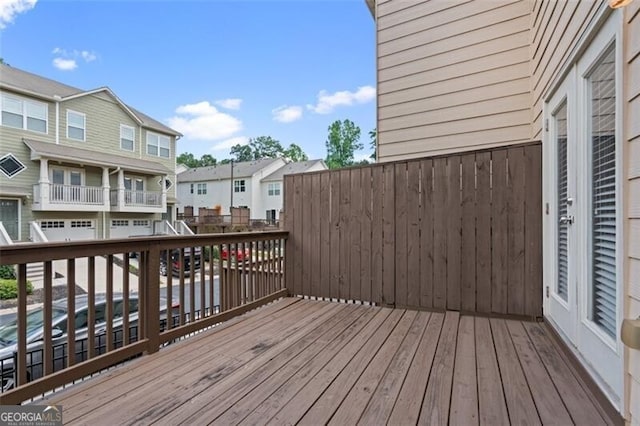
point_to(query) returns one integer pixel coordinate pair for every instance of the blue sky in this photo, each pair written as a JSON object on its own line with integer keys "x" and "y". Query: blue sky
{"x": 220, "y": 72}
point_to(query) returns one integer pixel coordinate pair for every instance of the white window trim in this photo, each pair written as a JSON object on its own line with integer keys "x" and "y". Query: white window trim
{"x": 274, "y": 189}
{"x": 201, "y": 189}
{"x": 84, "y": 129}
{"x": 24, "y": 101}
{"x": 133, "y": 132}
{"x": 241, "y": 187}
{"x": 159, "y": 136}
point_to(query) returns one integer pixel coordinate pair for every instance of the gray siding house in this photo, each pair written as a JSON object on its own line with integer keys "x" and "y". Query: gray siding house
{"x": 78, "y": 164}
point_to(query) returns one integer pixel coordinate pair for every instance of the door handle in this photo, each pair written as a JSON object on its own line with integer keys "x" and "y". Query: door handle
{"x": 566, "y": 220}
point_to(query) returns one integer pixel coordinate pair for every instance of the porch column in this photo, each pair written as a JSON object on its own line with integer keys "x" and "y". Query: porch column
{"x": 121, "y": 188}
{"x": 106, "y": 201}
{"x": 44, "y": 183}
{"x": 163, "y": 184}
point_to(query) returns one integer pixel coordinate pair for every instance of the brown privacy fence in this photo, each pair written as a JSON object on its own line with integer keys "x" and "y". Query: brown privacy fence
{"x": 459, "y": 232}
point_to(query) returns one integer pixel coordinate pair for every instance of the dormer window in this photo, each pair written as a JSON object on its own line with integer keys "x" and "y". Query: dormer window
{"x": 22, "y": 113}
{"x": 76, "y": 125}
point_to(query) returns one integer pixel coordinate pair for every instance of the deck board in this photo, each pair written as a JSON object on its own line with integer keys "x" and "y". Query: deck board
{"x": 310, "y": 362}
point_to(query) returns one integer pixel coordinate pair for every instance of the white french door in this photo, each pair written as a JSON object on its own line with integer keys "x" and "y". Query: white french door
{"x": 583, "y": 187}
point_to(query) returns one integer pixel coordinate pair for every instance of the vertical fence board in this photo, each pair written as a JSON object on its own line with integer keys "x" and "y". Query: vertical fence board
{"x": 483, "y": 233}
{"x": 388, "y": 236}
{"x": 413, "y": 234}
{"x": 335, "y": 233}
{"x": 345, "y": 235}
{"x": 377, "y": 194}
{"x": 533, "y": 231}
{"x": 354, "y": 231}
{"x": 515, "y": 292}
{"x": 499, "y": 277}
{"x": 307, "y": 224}
{"x": 453, "y": 233}
{"x": 440, "y": 226}
{"x": 298, "y": 237}
{"x": 401, "y": 252}
{"x": 314, "y": 238}
{"x": 325, "y": 236}
{"x": 365, "y": 235}
{"x": 468, "y": 236}
{"x": 288, "y": 196}
{"x": 426, "y": 233}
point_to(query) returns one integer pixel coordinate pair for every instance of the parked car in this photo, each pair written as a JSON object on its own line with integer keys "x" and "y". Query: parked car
{"x": 237, "y": 255}
{"x": 35, "y": 334}
{"x": 176, "y": 265}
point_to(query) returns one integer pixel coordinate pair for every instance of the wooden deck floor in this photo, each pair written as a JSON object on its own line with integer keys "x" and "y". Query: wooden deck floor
{"x": 309, "y": 362}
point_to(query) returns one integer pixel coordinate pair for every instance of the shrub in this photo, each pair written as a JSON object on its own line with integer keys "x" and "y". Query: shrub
{"x": 7, "y": 272}
{"x": 9, "y": 288}
{"x": 207, "y": 251}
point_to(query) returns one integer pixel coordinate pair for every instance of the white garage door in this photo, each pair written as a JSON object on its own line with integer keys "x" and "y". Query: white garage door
{"x": 68, "y": 229}
{"x": 125, "y": 228}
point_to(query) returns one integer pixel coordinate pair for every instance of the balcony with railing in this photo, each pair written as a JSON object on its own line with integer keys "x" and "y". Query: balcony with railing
{"x": 126, "y": 200}
{"x": 58, "y": 197}
{"x": 399, "y": 294}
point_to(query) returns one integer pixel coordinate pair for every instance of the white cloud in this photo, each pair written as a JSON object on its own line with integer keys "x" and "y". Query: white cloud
{"x": 287, "y": 114}
{"x": 202, "y": 121}
{"x": 328, "y": 101}
{"x": 9, "y": 9}
{"x": 232, "y": 103}
{"x": 65, "y": 64}
{"x": 227, "y": 144}
{"x": 67, "y": 60}
{"x": 88, "y": 56}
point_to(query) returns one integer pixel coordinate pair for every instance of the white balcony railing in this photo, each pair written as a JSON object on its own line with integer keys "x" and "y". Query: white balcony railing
{"x": 76, "y": 194}
{"x": 138, "y": 198}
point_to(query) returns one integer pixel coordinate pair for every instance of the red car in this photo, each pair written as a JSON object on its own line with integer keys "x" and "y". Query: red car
{"x": 239, "y": 256}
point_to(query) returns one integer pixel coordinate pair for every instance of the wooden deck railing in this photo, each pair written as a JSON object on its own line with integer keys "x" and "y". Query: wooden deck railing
{"x": 241, "y": 271}
{"x": 457, "y": 232}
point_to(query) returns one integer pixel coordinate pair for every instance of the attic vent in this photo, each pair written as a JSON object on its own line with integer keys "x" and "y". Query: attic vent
{"x": 11, "y": 166}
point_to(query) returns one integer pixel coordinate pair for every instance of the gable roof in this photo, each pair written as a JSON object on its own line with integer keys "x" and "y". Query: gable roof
{"x": 223, "y": 171}
{"x": 292, "y": 168}
{"x": 85, "y": 156}
{"x": 31, "y": 84}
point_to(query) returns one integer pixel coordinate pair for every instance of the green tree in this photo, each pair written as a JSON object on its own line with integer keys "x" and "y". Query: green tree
{"x": 241, "y": 153}
{"x": 295, "y": 153}
{"x": 187, "y": 159}
{"x": 373, "y": 143}
{"x": 265, "y": 147}
{"x": 190, "y": 161}
{"x": 343, "y": 140}
{"x": 207, "y": 160}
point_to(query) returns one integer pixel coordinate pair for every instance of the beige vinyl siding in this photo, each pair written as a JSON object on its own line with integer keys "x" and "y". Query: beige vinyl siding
{"x": 452, "y": 76}
{"x": 557, "y": 29}
{"x": 631, "y": 55}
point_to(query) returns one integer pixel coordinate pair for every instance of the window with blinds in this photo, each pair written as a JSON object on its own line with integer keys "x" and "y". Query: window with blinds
{"x": 603, "y": 193}
{"x": 562, "y": 282}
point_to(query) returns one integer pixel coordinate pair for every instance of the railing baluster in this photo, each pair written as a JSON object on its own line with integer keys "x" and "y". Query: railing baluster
{"x": 153, "y": 300}
{"x": 142, "y": 293}
{"x": 192, "y": 287}
{"x": 22, "y": 325}
{"x": 181, "y": 281}
{"x": 91, "y": 309}
{"x": 169, "y": 297}
{"x": 203, "y": 287}
{"x": 109, "y": 304}
{"x": 211, "y": 279}
{"x": 125, "y": 300}
{"x": 47, "y": 352}
{"x": 71, "y": 309}
{"x": 223, "y": 297}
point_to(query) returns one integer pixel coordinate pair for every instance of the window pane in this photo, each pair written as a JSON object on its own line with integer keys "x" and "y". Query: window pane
{"x": 11, "y": 105}
{"x": 164, "y": 152}
{"x": 11, "y": 120}
{"x": 603, "y": 195}
{"x": 152, "y": 150}
{"x": 126, "y": 144}
{"x": 36, "y": 125}
{"x": 164, "y": 142}
{"x": 57, "y": 176}
{"x": 76, "y": 133}
{"x": 75, "y": 178}
{"x": 126, "y": 132}
{"x": 36, "y": 110}
{"x": 75, "y": 119}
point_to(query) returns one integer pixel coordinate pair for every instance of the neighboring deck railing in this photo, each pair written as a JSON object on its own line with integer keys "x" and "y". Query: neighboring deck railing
{"x": 245, "y": 270}
{"x": 458, "y": 232}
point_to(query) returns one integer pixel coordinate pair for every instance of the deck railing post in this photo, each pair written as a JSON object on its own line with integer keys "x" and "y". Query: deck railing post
{"x": 152, "y": 299}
